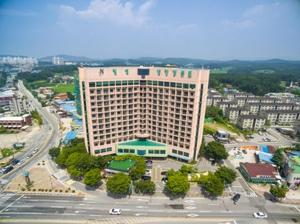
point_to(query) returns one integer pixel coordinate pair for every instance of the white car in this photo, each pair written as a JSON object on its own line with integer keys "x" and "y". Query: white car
{"x": 115, "y": 211}
{"x": 260, "y": 215}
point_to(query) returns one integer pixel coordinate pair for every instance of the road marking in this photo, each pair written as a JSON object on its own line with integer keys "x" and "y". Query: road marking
{"x": 192, "y": 215}
{"x": 76, "y": 212}
{"x": 141, "y": 199}
{"x": 191, "y": 207}
{"x": 11, "y": 203}
{"x": 141, "y": 206}
{"x": 297, "y": 208}
{"x": 189, "y": 201}
{"x": 141, "y": 214}
{"x": 213, "y": 204}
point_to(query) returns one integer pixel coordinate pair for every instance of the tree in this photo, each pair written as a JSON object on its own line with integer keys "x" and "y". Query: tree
{"x": 144, "y": 187}
{"x": 186, "y": 169}
{"x": 279, "y": 191}
{"x": 226, "y": 174}
{"x": 177, "y": 184}
{"x": 118, "y": 184}
{"x": 82, "y": 161}
{"x": 92, "y": 177}
{"x": 278, "y": 158}
{"x": 101, "y": 162}
{"x": 214, "y": 112}
{"x": 216, "y": 150}
{"x": 75, "y": 173}
{"x": 202, "y": 148}
{"x": 212, "y": 185}
{"x": 54, "y": 152}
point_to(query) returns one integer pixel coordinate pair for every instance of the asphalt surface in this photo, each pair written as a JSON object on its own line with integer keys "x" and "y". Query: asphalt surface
{"x": 22, "y": 207}
{"x": 49, "y": 137}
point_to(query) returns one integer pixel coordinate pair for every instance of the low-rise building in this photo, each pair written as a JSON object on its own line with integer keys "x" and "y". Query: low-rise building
{"x": 61, "y": 96}
{"x": 259, "y": 173}
{"x": 293, "y": 177}
{"x": 16, "y": 122}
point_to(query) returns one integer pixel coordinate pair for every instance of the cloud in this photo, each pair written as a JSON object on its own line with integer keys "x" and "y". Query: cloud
{"x": 14, "y": 12}
{"x": 241, "y": 24}
{"x": 113, "y": 10}
{"x": 254, "y": 10}
{"x": 187, "y": 27}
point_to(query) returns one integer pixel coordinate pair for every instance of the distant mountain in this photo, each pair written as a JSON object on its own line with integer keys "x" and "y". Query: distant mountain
{"x": 182, "y": 62}
{"x": 67, "y": 58}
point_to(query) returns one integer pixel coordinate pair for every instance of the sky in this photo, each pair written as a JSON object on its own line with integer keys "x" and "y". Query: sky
{"x": 101, "y": 29}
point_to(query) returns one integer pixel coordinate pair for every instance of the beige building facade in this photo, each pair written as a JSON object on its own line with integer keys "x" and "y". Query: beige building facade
{"x": 143, "y": 107}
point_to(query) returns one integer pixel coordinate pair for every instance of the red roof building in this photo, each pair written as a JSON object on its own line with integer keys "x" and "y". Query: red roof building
{"x": 259, "y": 172}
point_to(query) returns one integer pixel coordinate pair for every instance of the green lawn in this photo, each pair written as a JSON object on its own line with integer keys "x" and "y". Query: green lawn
{"x": 6, "y": 152}
{"x": 63, "y": 88}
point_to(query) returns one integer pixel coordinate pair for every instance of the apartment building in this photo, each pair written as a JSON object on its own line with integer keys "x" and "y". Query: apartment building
{"x": 224, "y": 105}
{"x": 251, "y": 122}
{"x": 148, "y": 111}
{"x": 287, "y": 117}
{"x": 233, "y": 113}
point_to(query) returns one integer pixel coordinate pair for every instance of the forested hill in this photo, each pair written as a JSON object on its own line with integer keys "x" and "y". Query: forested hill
{"x": 257, "y": 77}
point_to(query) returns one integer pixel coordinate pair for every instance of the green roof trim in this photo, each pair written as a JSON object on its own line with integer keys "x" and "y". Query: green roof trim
{"x": 140, "y": 143}
{"x": 294, "y": 163}
{"x": 121, "y": 165}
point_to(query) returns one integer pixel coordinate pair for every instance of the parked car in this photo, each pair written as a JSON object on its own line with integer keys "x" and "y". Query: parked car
{"x": 115, "y": 211}
{"x": 20, "y": 162}
{"x": 144, "y": 177}
{"x": 164, "y": 172}
{"x": 164, "y": 179}
{"x": 14, "y": 162}
{"x": 7, "y": 169}
{"x": 260, "y": 215}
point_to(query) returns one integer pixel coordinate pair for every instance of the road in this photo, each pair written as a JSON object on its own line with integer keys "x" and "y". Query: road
{"x": 49, "y": 137}
{"x": 21, "y": 207}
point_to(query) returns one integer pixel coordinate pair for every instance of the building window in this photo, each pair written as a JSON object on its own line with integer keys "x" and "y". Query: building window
{"x": 97, "y": 151}
{"x": 92, "y": 84}
{"x": 189, "y": 74}
{"x": 162, "y": 151}
{"x": 131, "y": 150}
{"x": 186, "y": 154}
{"x": 126, "y": 150}
{"x": 174, "y": 151}
{"x": 120, "y": 151}
{"x": 109, "y": 149}
{"x": 115, "y": 71}
{"x": 99, "y": 83}
{"x": 150, "y": 151}
{"x": 126, "y": 71}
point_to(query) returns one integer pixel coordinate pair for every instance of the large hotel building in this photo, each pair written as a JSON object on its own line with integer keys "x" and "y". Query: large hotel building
{"x": 147, "y": 111}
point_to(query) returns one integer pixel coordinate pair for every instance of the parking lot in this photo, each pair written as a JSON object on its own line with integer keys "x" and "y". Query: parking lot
{"x": 239, "y": 155}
